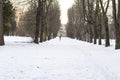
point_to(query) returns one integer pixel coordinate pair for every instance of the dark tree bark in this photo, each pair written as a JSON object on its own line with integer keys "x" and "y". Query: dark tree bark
{"x": 116, "y": 23}
{"x": 105, "y": 22}
{"x": 96, "y": 21}
{"x": 91, "y": 34}
{"x": 1, "y": 23}
{"x": 42, "y": 28}
{"x": 38, "y": 19}
{"x": 100, "y": 35}
{"x": 90, "y": 19}
{"x": 118, "y": 28}
{"x": 107, "y": 41}
{"x": 84, "y": 16}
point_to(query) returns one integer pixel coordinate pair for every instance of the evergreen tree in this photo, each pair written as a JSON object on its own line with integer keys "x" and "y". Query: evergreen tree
{"x": 7, "y": 15}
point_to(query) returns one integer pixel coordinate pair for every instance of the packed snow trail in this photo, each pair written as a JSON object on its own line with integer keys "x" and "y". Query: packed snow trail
{"x": 68, "y": 59}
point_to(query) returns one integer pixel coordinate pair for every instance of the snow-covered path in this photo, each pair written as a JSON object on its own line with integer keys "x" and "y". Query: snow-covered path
{"x": 67, "y": 59}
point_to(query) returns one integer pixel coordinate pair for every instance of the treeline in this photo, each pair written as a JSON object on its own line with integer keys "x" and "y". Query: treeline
{"x": 41, "y": 20}
{"x": 89, "y": 21}
{"x": 47, "y": 20}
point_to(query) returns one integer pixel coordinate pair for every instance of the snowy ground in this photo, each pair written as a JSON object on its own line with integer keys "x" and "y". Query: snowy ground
{"x": 68, "y": 59}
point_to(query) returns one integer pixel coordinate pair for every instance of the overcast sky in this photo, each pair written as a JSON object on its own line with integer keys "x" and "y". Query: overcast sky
{"x": 65, "y": 5}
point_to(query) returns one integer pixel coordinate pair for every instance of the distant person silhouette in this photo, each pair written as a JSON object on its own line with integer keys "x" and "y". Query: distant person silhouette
{"x": 60, "y": 36}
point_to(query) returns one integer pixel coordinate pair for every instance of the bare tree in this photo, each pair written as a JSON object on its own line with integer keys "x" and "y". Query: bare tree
{"x": 43, "y": 22}
{"x": 105, "y": 21}
{"x": 1, "y": 23}
{"x": 38, "y": 19}
{"x": 70, "y": 27}
{"x": 116, "y": 17}
{"x": 96, "y": 21}
{"x": 53, "y": 20}
{"x": 90, "y": 20}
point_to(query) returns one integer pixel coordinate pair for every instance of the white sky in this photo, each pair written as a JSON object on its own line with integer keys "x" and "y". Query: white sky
{"x": 65, "y": 5}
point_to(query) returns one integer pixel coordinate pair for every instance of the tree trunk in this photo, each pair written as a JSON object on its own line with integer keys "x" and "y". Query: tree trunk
{"x": 42, "y": 30}
{"x": 42, "y": 22}
{"x": 38, "y": 16}
{"x": 116, "y": 23}
{"x": 1, "y": 23}
{"x": 100, "y": 28}
{"x": 90, "y": 12}
{"x": 96, "y": 21}
{"x": 95, "y": 34}
{"x": 105, "y": 21}
{"x": 100, "y": 35}
{"x": 118, "y": 28}
{"x": 107, "y": 41}
{"x": 91, "y": 35}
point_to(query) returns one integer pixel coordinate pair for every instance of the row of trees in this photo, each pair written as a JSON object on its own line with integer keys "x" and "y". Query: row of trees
{"x": 41, "y": 20}
{"x": 47, "y": 20}
{"x": 88, "y": 21}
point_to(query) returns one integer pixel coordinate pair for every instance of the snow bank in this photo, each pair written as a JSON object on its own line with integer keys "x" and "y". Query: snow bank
{"x": 17, "y": 39}
{"x": 68, "y": 59}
